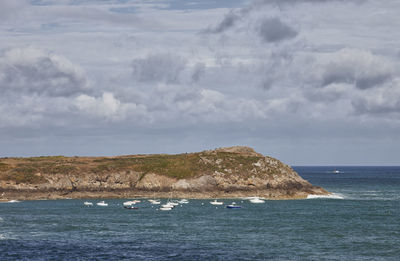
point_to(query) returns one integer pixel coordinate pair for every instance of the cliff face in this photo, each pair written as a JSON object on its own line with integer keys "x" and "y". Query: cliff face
{"x": 224, "y": 172}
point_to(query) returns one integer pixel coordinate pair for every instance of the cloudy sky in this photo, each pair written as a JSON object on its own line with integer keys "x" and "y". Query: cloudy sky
{"x": 310, "y": 82}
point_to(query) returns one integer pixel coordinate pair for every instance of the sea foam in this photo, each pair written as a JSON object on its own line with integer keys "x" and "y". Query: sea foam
{"x": 331, "y": 196}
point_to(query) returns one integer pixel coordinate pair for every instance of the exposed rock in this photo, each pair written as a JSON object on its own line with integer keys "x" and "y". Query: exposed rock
{"x": 245, "y": 151}
{"x": 224, "y": 172}
{"x": 155, "y": 182}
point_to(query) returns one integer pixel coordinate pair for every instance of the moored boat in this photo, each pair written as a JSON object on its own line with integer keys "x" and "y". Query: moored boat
{"x": 216, "y": 203}
{"x": 154, "y": 201}
{"x": 102, "y": 204}
{"x": 168, "y": 205}
{"x": 233, "y": 205}
{"x": 130, "y": 207}
{"x": 256, "y": 200}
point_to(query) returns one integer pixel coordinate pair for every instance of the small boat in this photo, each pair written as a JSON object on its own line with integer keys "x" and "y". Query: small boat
{"x": 183, "y": 201}
{"x": 168, "y": 205}
{"x": 216, "y": 203}
{"x": 154, "y": 201}
{"x": 336, "y": 171}
{"x": 233, "y": 205}
{"x": 165, "y": 208}
{"x": 87, "y": 203}
{"x": 130, "y": 207}
{"x": 102, "y": 204}
{"x": 256, "y": 200}
{"x": 128, "y": 203}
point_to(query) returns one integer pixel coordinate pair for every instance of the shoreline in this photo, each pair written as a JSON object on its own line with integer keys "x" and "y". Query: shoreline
{"x": 54, "y": 195}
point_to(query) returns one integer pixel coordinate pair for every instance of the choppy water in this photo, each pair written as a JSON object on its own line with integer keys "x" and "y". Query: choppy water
{"x": 361, "y": 223}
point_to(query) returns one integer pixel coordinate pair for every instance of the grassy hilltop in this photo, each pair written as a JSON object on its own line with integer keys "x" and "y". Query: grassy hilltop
{"x": 224, "y": 169}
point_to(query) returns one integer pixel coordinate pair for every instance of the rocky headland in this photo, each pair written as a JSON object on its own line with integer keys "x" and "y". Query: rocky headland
{"x": 220, "y": 173}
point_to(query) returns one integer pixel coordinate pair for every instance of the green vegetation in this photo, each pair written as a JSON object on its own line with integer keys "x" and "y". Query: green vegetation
{"x": 46, "y": 158}
{"x": 4, "y": 166}
{"x": 177, "y": 166}
{"x": 22, "y": 175}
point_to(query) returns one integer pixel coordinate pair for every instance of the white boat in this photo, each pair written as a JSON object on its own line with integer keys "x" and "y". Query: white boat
{"x": 233, "y": 205}
{"x": 154, "y": 201}
{"x": 168, "y": 205}
{"x": 336, "y": 171}
{"x": 102, "y": 204}
{"x": 165, "y": 208}
{"x": 87, "y": 203}
{"x": 256, "y": 200}
{"x": 173, "y": 203}
{"x": 183, "y": 201}
{"x": 128, "y": 203}
{"x": 216, "y": 203}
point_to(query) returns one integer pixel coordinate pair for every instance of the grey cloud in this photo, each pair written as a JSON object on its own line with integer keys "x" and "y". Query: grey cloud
{"x": 356, "y": 67}
{"x": 229, "y": 21}
{"x": 158, "y": 68}
{"x": 293, "y": 2}
{"x": 336, "y": 73}
{"x": 9, "y": 8}
{"x": 383, "y": 100}
{"x": 33, "y": 71}
{"x": 274, "y": 30}
{"x": 350, "y": 76}
{"x": 198, "y": 72}
{"x": 369, "y": 81}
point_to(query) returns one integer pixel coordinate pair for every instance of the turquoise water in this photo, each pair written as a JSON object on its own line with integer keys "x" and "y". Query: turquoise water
{"x": 361, "y": 223}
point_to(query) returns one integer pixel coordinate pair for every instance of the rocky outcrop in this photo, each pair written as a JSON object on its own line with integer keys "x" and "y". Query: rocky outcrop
{"x": 223, "y": 172}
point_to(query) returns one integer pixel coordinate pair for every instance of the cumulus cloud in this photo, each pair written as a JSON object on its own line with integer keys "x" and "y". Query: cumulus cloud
{"x": 273, "y": 65}
{"x": 382, "y": 100}
{"x": 34, "y": 71}
{"x": 274, "y": 30}
{"x": 357, "y": 67}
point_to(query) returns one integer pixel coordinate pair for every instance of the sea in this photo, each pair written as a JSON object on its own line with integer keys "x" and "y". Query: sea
{"x": 360, "y": 221}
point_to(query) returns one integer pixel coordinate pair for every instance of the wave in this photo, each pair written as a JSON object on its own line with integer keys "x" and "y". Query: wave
{"x": 331, "y": 196}
{"x": 13, "y": 201}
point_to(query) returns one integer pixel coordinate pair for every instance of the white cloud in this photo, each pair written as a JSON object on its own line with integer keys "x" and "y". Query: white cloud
{"x": 31, "y": 70}
{"x": 383, "y": 101}
{"x": 357, "y": 67}
{"x": 269, "y": 69}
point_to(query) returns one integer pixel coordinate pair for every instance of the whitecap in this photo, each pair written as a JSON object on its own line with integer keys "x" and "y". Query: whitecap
{"x": 330, "y": 196}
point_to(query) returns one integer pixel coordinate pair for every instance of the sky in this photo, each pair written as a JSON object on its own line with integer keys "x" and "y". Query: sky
{"x": 310, "y": 82}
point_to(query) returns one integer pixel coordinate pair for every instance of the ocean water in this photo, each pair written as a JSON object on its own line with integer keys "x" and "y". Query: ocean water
{"x": 360, "y": 222}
